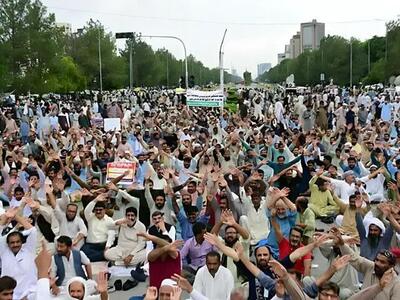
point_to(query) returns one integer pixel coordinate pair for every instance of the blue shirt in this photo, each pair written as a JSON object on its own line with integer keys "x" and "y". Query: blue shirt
{"x": 186, "y": 227}
{"x": 285, "y": 224}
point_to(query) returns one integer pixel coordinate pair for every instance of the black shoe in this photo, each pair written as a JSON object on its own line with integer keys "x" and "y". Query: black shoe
{"x": 118, "y": 285}
{"x": 129, "y": 284}
{"x": 138, "y": 274}
{"x": 328, "y": 220}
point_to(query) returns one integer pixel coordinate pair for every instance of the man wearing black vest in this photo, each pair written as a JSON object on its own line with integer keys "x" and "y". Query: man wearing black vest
{"x": 68, "y": 263}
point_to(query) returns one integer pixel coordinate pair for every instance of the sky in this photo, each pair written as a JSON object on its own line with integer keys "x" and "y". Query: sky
{"x": 257, "y": 30}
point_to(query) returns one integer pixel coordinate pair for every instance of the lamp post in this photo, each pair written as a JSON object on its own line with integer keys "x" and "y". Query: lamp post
{"x": 130, "y": 36}
{"x": 351, "y": 64}
{"x": 221, "y": 63}
{"x": 100, "y": 67}
{"x": 184, "y": 49}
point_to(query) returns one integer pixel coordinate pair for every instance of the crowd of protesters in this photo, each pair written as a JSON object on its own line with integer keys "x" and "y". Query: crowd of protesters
{"x": 223, "y": 205}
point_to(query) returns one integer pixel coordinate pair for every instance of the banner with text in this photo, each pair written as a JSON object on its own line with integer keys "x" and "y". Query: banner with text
{"x": 205, "y": 99}
{"x": 116, "y": 169}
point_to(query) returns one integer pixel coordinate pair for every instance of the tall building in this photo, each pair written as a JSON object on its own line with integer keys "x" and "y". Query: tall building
{"x": 281, "y": 56}
{"x": 287, "y": 52}
{"x": 295, "y": 45}
{"x": 262, "y": 68}
{"x": 66, "y": 26}
{"x": 311, "y": 34}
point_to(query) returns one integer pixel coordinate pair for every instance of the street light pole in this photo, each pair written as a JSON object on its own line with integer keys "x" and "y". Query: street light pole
{"x": 130, "y": 65}
{"x": 351, "y": 64}
{"x": 369, "y": 56}
{"x": 100, "y": 71}
{"x": 184, "y": 49}
{"x": 221, "y": 64}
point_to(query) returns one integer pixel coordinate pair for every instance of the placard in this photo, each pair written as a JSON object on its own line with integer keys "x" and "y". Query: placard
{"x": 116, "y": 169}
{"x": 112, "y": 124}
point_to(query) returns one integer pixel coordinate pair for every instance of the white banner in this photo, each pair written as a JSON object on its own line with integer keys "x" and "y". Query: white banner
{"x": 205, "y": 98}
{"x": 112, "y": 124}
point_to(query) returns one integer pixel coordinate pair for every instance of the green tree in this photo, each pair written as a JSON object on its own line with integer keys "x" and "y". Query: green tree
{"x": 247, "y": 77}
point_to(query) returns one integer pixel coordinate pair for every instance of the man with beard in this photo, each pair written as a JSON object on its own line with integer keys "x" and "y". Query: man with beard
{"x": 261, "y": 278}
{"x": 67, "y": 263}
{"x": 158, "y": 203}
{"x": 233, "y": 234}
{"x": 285, "y": 178}
{"x": 352, "y": 165}
{"x": 130, "y": 250}
{"x": 347, "y": 218}
{"x": 373, "y": 270}
{"x": 226, "y": 160}
{"x": 123, "y": 146}
{"x": 71, "y": 224}
{"x": 374, "y": 237}
{"x": 375, "y": 183}
{"x": 346, "y": 278}
{"x": 284, "y": 212}
{"x": 287, "y": 246}
{"x": 321, "y": 201}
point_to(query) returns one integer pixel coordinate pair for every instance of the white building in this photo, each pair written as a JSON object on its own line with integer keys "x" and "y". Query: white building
{"x": 311, "y": 34}
{"x": 281, "y": 56}
{"x": 295, "y": 45}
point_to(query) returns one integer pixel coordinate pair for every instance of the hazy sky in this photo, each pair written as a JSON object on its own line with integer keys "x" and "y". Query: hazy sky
{"x": 257, "y": 29}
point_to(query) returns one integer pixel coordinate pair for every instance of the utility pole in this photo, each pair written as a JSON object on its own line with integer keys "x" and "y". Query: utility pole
{"x": 221, "y": 63}
{"x": 131, "y": 37}
{"x": 221, "y": 69}
{"x": 184, "y": 49}
{"x": 369, "y": 56}
{"x": 100, "y": 68}
{"x": 351, "y": 64}
{"x": 130, "y": 65}
{"x": 167, "y": 71}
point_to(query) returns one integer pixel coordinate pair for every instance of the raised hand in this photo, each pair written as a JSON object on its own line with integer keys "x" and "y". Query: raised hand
{"x": 144, "y": 235}
{"x": 320, "y": 240}
{"x": 182, "y": 282}
{"x": 387, "y": 278}
{"x": 176, "y": 293}
{"x": 239, "y": 249}
{"x": 277, "y": 268}
{"x": 228, "y": 218}
{"x": 341, "y": 262}
{"x": 111, "y": 186}
{"x": 211, "y": 238}
{"x": 102, "y": 282}
{"x": 11, "y": 212}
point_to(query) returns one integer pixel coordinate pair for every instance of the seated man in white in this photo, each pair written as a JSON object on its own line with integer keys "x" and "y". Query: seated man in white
{"x": 130, "y": 249}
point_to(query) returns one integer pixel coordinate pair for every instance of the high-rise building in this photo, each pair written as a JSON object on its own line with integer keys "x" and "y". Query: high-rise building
{"x": 295, "y": 45}
{"x": 287, "y": 51}
{"x": 262, "y": 68}
{"x": 311, "y": 34}
{"x": 281, "y": 56}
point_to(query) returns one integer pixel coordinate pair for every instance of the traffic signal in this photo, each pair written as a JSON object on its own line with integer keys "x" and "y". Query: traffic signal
{"x": 124, "y": 35}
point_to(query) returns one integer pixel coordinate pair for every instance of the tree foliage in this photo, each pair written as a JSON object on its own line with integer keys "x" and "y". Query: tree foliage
{"x": 37, "y": 56}
{"x": 333, "y": 59}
